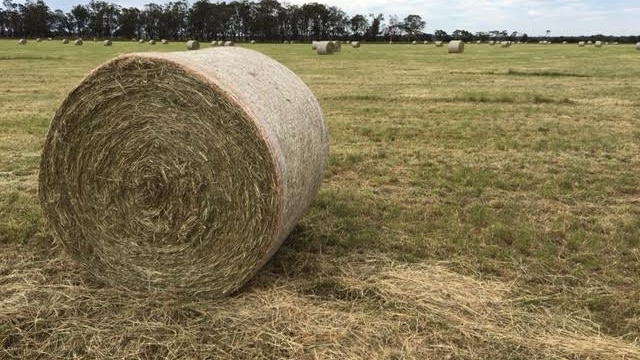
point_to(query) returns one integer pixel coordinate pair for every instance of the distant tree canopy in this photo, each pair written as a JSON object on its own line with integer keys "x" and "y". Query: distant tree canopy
{"x": 263, "y": 20}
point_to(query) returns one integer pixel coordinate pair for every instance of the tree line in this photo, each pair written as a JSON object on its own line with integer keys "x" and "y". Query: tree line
{"x": 264, "y": 20}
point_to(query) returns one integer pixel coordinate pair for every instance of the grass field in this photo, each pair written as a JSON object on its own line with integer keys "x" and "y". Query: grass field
{"x": 482, "y": 205}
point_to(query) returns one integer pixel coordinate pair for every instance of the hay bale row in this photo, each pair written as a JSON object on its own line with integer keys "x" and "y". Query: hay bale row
{"x": 337, "y": 46}
{"x": 492, "y": 42}
{"x": 505, "y": 44}
{"x": 581, "y": 43}
{"x": 164, "y": 42}
{"x": 203, "y": 188}
{"x": 455, "y": 47}
{"x": 152, "y": 42}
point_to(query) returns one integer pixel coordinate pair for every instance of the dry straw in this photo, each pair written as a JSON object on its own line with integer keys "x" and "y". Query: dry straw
{"x": 252, "y": 42}
{"x": 456, "y": 47}
{"x": 22, "y": 41}
{"x": 107, "y": 43}
{"x": 77, "y": 42}
{"x": 314, "y": 45}
{"x": 141, "y": 41}
{"x": 355, "y": 44}
{"x": 325, "y": 47}
{"x": 214, "y": 43}
{"x": 182, "y": 172}
{"x": 193, "y": 45}
{"x": 38, "y": 40}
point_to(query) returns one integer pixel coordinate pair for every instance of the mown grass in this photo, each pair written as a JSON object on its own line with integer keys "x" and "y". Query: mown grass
{"x": 514, "y": 166}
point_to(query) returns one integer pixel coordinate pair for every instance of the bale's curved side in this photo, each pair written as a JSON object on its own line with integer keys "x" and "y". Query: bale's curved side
{"x": 581, "y": 43}
{"x": 456, "y": 46}
{"x": 152, "y": 42}
{"x": 598, "y": 44}
{"x": 183, "y": 171}
{"x": 325, "y": 47}
{"x": 164, "y": 42}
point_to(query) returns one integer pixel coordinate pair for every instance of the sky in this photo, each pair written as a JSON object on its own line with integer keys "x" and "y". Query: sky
{"x": 534, "y": 17}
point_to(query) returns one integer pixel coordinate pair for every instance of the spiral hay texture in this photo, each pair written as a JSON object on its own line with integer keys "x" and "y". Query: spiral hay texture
{"x": 456, "y": 47}
{"x": 184, "y": 171}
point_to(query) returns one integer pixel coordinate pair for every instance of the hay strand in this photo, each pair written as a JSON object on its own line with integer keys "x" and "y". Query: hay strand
{"x": 182, "y": 172}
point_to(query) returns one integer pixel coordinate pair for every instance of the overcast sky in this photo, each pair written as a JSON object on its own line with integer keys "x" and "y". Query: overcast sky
{"x": 534, "y": 17}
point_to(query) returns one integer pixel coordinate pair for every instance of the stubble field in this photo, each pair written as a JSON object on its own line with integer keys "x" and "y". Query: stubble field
{"x": 481, "y": 205}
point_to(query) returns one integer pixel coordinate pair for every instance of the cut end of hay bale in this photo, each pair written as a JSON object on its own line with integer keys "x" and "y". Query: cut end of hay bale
{"x": 325, "y": 47}
{"x": 188, "y": 191}
{"x": 456, "y": 47}
{"x": 107, "y": 43}
{"x": 193, "y": 45}
{"x": 638, "y": 46}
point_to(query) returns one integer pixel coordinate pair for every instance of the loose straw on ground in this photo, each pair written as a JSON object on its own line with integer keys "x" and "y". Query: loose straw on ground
{"x": 182, "y": 172}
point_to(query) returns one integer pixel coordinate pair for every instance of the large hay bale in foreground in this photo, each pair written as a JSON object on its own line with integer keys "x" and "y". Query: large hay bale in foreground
{"x": 325, "y": 47}
{"x": 456, "y": 47}
{"x": 22, "y": 42}
{"x": 107, "y": 43}
{"x": 638, "y": 46}
{"x": 193, "y": 45}
{"x": 191, "y": 190}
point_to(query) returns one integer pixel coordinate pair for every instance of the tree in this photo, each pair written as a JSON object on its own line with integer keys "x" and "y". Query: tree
{"x": 80, "y": 16}
{"x": 376, "y": 25}
{"x": 413, "y": 25}
{"x": 359, "y": 25}
{"x": 440, "y": 35}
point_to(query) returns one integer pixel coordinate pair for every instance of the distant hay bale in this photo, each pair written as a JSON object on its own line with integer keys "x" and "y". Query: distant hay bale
{"x": 438, "y": 43}
{"x": 337, "y": 46}
{"x": 598, "y": 44}
{"x": 479, "y": 42}
{"x": 95, "y": 39}
{"x": 141, "y": 41}
{"x": 615, "y": 43}
{"x": 77, "y": 42}
{"x": 505, "y": 44}
{"x": 65, "y": 41}
{"x": 193, "y": 45}
{"x": 564, "y": 42}
{"x": 152, "y": 42}
{"x": 492, "y": 42}
{"x": 229, "y": 43}
{"x": 285, "y": 42}
{"x": 589, "y": 42}
{"x": 220, "y": 42}
{"x": 107, "y": 43}
{"x": 425, "y": 42}
{"x": 188, "y": 191}
{"x": 38, "y": 40}
{"x": 22, "y": 41}
{"x": 355, "y": 44}
{"x": 49, "y": 39}
{"x": 252, "y": 42}
{"x": 456, "y": 47}
{"x": 164, "y": 41}
{"x": 214, "y": 43}
{"x": 325, "y": 47}
{"x": 414, "y": 42}
{"x": 314, "y": 45}
{"x": 581, "y": 43}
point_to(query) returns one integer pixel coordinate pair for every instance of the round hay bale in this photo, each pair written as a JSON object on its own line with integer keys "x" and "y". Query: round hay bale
{"x": 565, "y": 42}
{"x": 314, "y": 45}
{"x": 337, "y": 46}
{"x": 38, "y": 40}
{"x": 479, "y": 42}
{"x": 425, "y": 42}
{"x": 188, "y": 191}
{"x": 164, "y": 42}
{"x": 22, "y": 41}
{"x": 581, "y": 43}
{"x": 505, "y": 44}
{"x": 77, "y": 42}
{"x": 152, "y": 42}
{"x": 589, "y": 42}
{"x": 193, "y": 45}
{"x": 95, "y": 39}
{"x": 220, "y": 42}
{"x": 438, "y": 43}
{"x": 49, "y": 39}
{"x": 229, "y": 43}
{"x": 214, "y": 43}
{"x": 492, "y": 42}
{"x": 598, "y": 44}
{"x": 107, "y": 43}
{"x": 252, "y": 42}
{"x": 65, "y": 41}
{"x": 355, "y": 44}
{"x": 325, "y": 47}
{"x": 285, "y": 42}
{"x": 141, "y": 41}
{"x": 414, "y": 42}
{"x": 456, "y": 46}
{"x": 638, "y": 46}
